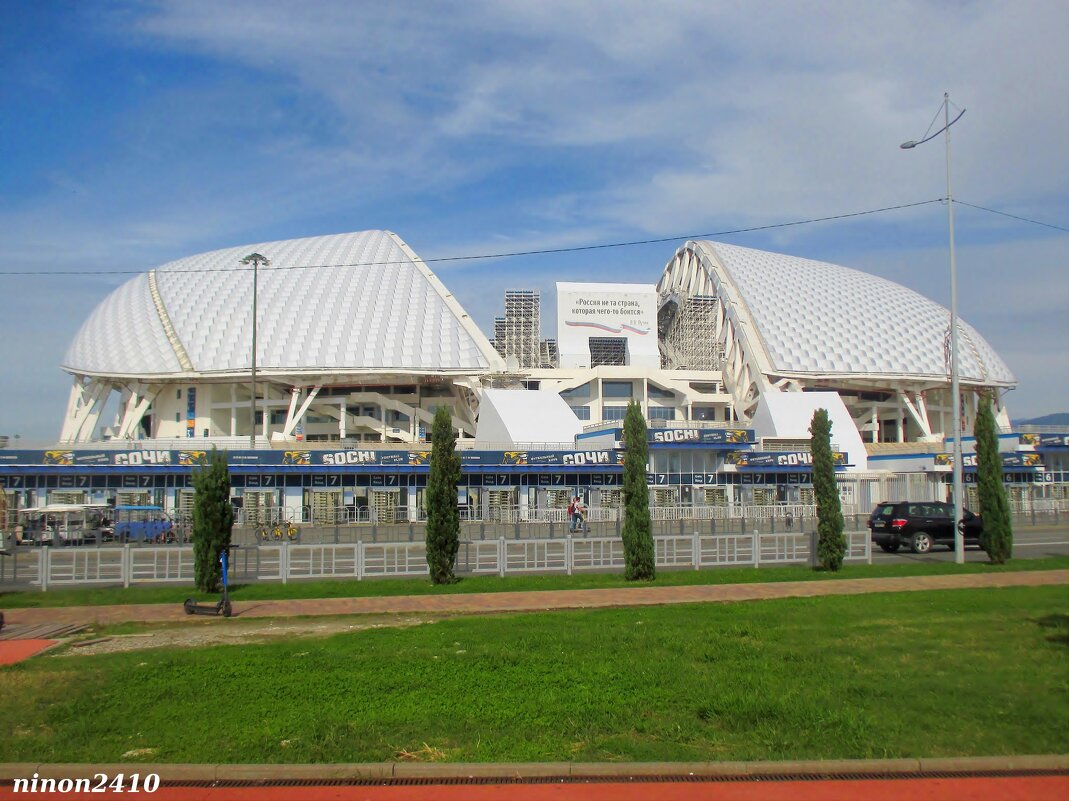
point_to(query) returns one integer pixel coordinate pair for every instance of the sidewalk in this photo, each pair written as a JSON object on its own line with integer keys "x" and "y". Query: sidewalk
{"x": 495, "y": 602}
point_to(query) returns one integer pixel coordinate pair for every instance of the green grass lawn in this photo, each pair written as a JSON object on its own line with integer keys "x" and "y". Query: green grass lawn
{"x": 347, "y": 588}
{"x": 957, "y": 672}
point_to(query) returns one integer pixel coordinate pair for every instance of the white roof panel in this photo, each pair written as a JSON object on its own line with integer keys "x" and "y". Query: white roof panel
{"x": 524, "y": 416}
{"x": 341, "y": 302}
{"x": 820, "y": 318}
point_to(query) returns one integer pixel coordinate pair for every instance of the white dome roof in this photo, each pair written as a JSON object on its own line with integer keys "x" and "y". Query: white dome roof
{"x": 818, "y": 318}
{"x": 348, "y": 302}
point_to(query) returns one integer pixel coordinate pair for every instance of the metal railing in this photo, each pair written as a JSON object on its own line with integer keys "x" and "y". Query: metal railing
{"x": 355, "y": 515}
{"x": 128, "y": 565}
{"x": 1023, "y": 508}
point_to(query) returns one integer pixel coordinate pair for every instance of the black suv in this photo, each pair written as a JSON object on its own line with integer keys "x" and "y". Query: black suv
{"x": 920, "y": 525}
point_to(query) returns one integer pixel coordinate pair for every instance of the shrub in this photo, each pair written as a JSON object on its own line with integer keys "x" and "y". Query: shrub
{"x": 831, "y": 544}
{"x": 639, "y": 562}
{"x": 997, "y": 536}
{"x": 213, "y": 520}
{"x": 443, "y": 518}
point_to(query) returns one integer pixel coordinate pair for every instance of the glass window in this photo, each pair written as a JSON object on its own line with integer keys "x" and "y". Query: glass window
{"x": 617, "y": 389}
{"x": 699, "y": 386}
{"x": 614, "y": 412}
{"x": 435, "y": 390}
{"x": 659, "y": 413}
{"x": 702, "y": 412}
{"x": 582, "y": 412}
{"x": 662, "y": 394}
{"x": 578, "y": 392}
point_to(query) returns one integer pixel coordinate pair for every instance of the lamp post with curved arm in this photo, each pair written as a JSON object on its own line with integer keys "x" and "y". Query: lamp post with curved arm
{"x": 955, "y": 392}
{"x": 255, "y": 259}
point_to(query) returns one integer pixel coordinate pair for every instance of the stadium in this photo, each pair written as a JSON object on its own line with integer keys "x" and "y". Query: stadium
{"x": 358, "y": 343}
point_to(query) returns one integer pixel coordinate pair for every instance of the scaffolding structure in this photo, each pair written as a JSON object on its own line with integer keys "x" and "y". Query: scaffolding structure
{"x": 516, "y": 335}
{"x": 549, "y": 353}
{"x": 688, "y": 333}
{"x": 610, "y": 351}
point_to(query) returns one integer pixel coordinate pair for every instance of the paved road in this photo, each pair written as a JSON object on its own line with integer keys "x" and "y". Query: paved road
{"x": 1028, "y": 543}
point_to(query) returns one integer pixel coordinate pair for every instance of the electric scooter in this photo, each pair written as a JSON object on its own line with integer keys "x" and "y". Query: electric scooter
{"x": 223, "y": 606}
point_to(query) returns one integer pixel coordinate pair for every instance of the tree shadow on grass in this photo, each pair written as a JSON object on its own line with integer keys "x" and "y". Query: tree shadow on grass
{"x": 1059, "y": 623}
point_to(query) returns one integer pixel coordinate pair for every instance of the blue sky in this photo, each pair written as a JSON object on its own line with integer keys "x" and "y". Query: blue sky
{"x": 134, "y": 133}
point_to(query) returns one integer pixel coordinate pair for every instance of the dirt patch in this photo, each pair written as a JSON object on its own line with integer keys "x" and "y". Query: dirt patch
{"x": 233, "y": 632}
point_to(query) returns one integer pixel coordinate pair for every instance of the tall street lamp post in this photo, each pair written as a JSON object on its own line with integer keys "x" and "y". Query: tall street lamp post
{"x": 255, "y": 259}
{"x": 957, "y": 512}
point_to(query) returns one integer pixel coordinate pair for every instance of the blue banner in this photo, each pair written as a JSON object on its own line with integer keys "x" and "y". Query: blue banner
{"x": 703, "y": 436}
{"x": 1010, "y": 461}
{"x": 191, "y": 412}
{"x": 1045, "y": 440}
{"x": 796, "y": 459}
{"x": 338, "y": 458}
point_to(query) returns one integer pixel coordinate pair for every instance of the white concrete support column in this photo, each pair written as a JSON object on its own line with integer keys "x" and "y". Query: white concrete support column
{"x": 917, "y": 411}
{"x": 233, "y": 411}
{"x": 295, "y": 397}
{"x": 137, "y": 404}
{"x": 522, "y": 503}
{"x": 295, "y": 417}
{"x": 84, "y": 405}
{"x": 922, "y": 409}
{"x": 265, "y": 410}
{"x": 343, "y": 409}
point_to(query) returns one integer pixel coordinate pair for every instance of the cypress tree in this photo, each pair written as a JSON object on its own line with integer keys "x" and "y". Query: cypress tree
{"x": 213, "y": 520}
{"x": 443, "y": 518}
{"x": 997, "y": 536}
{"x": 831, "y": 544}
{"x": 639, "y": 563}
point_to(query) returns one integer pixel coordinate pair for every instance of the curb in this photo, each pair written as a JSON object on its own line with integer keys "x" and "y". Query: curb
{"x": 514, "y": 771}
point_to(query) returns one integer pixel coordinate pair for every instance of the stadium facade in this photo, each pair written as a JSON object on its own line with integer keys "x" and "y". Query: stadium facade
{"x": 358, "y": 343}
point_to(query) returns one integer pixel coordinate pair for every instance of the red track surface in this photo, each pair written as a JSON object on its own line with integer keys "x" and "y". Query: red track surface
{"x": 12, "y": 651}
{"x": 1026, "y": 788}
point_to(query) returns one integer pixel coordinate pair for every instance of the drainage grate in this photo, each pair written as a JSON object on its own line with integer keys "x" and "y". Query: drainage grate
{"x": 39, "y": 631}
{"x": 418, "y": 781}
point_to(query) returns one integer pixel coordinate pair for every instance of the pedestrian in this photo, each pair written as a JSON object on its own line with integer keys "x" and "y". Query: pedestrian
{"x": 574, "y": 517}
{"x": 790, "y": 521}
{"x": 580, "y": 515}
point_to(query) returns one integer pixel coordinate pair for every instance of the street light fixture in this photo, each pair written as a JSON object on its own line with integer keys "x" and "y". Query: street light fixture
{"x": 957, "y": 512}
{"x": 255, "y": 259}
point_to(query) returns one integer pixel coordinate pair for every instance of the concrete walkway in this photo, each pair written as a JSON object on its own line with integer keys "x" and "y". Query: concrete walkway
{"x": 495, "y": 602}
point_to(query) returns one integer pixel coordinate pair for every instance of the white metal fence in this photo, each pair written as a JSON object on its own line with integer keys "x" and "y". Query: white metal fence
{"x": 1023, "y": 507}
{"x": 49, "y": 567}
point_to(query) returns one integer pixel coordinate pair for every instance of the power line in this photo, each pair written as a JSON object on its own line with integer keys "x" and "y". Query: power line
{"x": 1012, "y": 216}
{"x": 579, "y": 248}
{"x": 509, "y": 254}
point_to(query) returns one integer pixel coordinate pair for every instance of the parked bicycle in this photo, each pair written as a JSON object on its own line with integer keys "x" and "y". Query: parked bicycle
{"x": 283, "y": 530}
